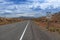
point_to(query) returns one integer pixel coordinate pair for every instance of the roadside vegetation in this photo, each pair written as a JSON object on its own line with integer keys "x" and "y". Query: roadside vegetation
{"x": 4, "y": 21}
{"x": 52, "y": 24}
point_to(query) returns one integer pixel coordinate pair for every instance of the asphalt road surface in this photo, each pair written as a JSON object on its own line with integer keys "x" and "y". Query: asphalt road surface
{"x": 26, "y": 30}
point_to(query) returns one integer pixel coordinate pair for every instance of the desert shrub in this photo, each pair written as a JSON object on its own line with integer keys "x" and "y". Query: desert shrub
{"x": 57, "y": 29}
{"x": 52, "y": 29}
{"x": 56, "y": 21}
{"x": 59, "y": 32}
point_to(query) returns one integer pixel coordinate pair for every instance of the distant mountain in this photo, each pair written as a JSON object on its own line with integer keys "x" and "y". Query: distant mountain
{"x": 22, "y": 17}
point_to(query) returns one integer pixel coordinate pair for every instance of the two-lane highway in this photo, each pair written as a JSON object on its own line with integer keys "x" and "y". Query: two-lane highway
{"x": 33, "y": 32}
{"x": 12, "y": 31}
{"x": 26, "y": 30}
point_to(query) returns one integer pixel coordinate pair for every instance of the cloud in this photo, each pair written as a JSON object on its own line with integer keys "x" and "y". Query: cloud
{"x": 35, "y": 3}
{"x": 14, "y": 10}
{"x": 49, "y": 3}
{"x": 46, "y": 4}
{"x": 27, "y": 6}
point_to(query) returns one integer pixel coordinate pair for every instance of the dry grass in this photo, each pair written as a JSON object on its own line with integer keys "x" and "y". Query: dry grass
{"x": 4, "y": 21}
{"x": 54, "y": 22}
{"x": 53, "y": 27}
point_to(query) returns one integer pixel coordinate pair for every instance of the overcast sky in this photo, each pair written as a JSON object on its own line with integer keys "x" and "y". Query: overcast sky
{"x": 29, "y": 8}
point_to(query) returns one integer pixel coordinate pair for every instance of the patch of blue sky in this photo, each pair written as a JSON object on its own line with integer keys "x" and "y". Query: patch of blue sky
{"x": 28, "y": 7}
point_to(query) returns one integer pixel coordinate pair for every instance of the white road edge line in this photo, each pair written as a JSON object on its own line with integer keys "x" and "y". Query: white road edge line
{"x": 24, "y": 31}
